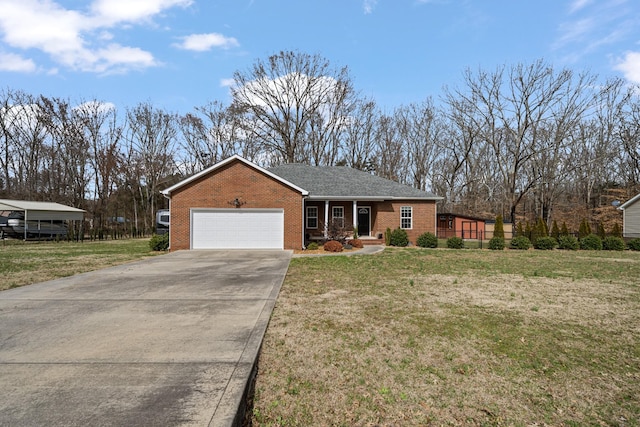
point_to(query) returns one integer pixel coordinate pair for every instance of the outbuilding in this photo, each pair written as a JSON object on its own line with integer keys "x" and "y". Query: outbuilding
{"x": 631, "y": 217}
{"x": 36, "y": 219}
{"x": 236, "y": 204}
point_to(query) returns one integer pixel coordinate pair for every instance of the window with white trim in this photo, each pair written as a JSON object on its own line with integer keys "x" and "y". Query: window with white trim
{"x": 338, "y": 215}
{"x": 406, "y": 217}
{"x": 312, "y": 217}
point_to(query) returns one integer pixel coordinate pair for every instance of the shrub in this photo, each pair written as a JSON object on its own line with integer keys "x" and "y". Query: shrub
{"x": 584, "y": 230}
{"x": 568, "y": 242}
{"x": 313, "y": 246}
{"x": 592, "y": 242}
{"x": 159, "y": 242}
{"x": 427, "y": 240}
{"x": 616, "y": 231}
{"x": 545, "y": 243}
{"x": 399, "y": 237}
{"x": 613, "y": 243}
{"x": 356, "y": 243}
{"x": 496, "y": 243}
{"x": 520, "y": 242}
{"x": 333, "y": 246}
{"x": 387, "y": 237}
{"x": 634, "y": 244}
{"x": 498, "y": 230}
{"x": 455, "y": 243}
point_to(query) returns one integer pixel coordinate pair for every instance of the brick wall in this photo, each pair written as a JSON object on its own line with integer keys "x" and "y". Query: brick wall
{"x": 387, "y": 214}
{"x": 235, "y": 180}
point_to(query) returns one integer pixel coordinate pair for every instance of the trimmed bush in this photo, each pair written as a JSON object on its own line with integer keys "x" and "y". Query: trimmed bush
{"x": 545, "y": 243}
{"x": 520, "y": 242}
{"x": 496, "y": 244}
{"x": 634, "y": 244}
{"x": 592, "y": 242}
{"x": 356, "y": 243}
{"x": 455, "y": 243}
{"x": 387, "y": 237}
{"x": 333, "y": 246}
{"x": 498, "y": 229}
{"x": 612, "y": 243}
{"x": 427, "y": 240}
{"x": 568, "y": 242}
{"x": 399, "y": 237}
{"x": 313, "y": 246}
{"x": 159, "y": 242}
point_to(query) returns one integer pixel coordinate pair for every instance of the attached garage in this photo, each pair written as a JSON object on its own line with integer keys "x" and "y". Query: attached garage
{"x": 237, "y": 228}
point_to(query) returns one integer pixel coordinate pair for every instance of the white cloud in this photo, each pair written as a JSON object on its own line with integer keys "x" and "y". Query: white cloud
{"x": 13, "y": 62}
{"x": 80, "y": 39}
{"x": 576, "y": 5}
{"x": 369, "y": 5}
{"x": 204, "y": 42}
{"x": 116, "y": 11}
{"x": 226, "y": 82}
{"x": 630, "y": 66}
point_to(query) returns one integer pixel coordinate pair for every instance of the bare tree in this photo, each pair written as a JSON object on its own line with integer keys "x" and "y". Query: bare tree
{"x": 421, "y": 127}
{"x": 152, "y": 138}
{"x": 359, "y": 146}
{"x": 512, "y": 110}
{"x": 294, "y": 104}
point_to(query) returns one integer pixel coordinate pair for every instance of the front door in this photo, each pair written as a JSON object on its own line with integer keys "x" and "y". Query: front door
{"x": 364, "y": 221}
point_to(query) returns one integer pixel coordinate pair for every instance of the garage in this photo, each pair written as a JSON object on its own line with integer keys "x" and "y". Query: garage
{"x": 237, "y": 228}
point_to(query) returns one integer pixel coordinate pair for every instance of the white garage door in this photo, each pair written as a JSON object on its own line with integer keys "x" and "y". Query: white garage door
{"x": 237, "y": 229}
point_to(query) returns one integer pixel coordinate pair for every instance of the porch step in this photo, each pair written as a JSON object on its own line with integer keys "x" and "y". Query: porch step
{"x": 371, "y": 242}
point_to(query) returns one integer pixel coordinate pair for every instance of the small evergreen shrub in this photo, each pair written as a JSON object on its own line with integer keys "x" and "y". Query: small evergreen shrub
{"x": 427, "y": 240}
{"x": 545, "y": 243}
{"x": 387, "y": 237}
{"x": 333, "y": 246}
{"x": 520, "y": 242}
{"x": 498, "y": 230}
{"x": 496, "y": 243}
{"x": 455, "y": 243}
{"x": 356, "y": 243}
{"x": 568, "y": 242}
{"x": 612, "y": 243}
{"x": 159, "y": 242}
{"x": 313, "y": 246}
{"x": 399, "y": 237}
{"x": 634, "y": 244}
{"x": 592, "y": 242}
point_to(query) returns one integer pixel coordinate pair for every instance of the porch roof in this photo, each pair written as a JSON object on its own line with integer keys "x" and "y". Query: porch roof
{"x": 344, "y": 183}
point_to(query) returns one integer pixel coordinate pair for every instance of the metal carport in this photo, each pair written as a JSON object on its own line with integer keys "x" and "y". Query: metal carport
{"x": 42, "y": 211}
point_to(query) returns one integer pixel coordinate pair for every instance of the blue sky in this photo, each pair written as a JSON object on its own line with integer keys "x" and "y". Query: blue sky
{"x": 179, "y": 54}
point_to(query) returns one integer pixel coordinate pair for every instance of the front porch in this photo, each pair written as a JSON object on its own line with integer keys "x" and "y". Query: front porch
{"x": 323, "y": 219}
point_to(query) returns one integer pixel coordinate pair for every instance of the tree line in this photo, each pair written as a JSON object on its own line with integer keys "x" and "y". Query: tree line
{"x": 525, "y": 141}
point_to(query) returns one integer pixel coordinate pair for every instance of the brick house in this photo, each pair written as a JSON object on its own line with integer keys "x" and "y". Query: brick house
{"x": 236, "y": 204}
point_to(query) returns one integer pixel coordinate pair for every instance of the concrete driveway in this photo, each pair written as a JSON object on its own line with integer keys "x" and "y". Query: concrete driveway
{"x": 167, "y": 341}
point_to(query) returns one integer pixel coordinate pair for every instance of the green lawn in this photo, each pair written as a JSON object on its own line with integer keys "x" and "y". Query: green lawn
{"x": 23, "y": 263}
{"x": 454, "y": 337}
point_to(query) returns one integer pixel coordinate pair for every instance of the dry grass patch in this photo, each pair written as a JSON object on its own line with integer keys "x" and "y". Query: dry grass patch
{"x": 438, "y": 337}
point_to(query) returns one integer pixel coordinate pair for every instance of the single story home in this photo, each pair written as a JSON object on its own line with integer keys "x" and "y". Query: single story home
{"x": 236, "y": 204}
{"x": 631, "y": 217}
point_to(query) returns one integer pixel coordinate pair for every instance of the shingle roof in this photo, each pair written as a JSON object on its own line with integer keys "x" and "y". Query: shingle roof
{"x": 340, "y": 182}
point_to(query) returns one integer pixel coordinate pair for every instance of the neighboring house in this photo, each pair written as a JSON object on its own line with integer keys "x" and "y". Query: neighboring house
{"x": 631, "y": 217}
{"x": 464, "y": 226}
{"x": 236, "y": 204}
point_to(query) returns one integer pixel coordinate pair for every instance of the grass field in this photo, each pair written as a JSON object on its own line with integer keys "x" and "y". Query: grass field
{"x": 23, "y": 263}
{"x": 454, "y": 337}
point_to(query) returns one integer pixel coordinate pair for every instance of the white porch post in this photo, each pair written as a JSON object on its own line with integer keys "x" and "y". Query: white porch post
{"x": 326, "y": 218}
{"x": 355, "y": 214}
